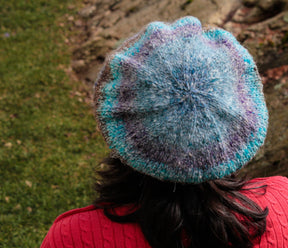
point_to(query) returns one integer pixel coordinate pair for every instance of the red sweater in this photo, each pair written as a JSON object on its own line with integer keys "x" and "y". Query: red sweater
{"x": 89, "y": 228}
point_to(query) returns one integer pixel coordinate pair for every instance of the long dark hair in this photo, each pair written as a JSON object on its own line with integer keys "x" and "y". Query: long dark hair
{"x": 210, "y": 214}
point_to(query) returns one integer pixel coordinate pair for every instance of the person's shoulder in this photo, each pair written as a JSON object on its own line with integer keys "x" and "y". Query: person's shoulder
{"x": 73, "y": 227}
{"x": 272, "y": 193}
{"x": 77, "y": 212}
{"x": 268, "y": 191}
{"x": 273, "y": 181}
{"x": 89, "y": 226}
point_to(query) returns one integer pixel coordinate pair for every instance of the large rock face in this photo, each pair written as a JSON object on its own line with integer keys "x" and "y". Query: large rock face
{"x": 260, "y": 25}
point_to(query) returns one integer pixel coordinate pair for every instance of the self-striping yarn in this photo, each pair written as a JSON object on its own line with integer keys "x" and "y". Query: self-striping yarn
{"x": 180, "y": 103}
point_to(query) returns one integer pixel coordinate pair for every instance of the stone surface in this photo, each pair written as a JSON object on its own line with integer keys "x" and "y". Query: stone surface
{"x": 110, "y": 22}
{"x": 260, "y": 25}
{"x": 87, "y": 11}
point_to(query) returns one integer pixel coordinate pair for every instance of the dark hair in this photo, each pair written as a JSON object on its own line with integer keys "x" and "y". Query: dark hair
{"x": 210, "y": 214}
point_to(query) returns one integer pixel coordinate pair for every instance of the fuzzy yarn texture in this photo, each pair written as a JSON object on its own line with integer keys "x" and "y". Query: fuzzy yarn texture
{"x": 180, "y": 103}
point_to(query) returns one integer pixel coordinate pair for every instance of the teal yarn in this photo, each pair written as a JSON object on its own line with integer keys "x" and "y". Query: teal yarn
{"x": 180, "y": 103}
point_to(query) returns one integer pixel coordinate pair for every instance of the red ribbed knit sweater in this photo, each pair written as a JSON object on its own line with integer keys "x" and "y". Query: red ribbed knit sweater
{"x": 89, "y": 228}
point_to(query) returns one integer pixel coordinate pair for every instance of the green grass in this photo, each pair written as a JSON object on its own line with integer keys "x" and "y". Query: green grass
{"x": 48, "y": 139}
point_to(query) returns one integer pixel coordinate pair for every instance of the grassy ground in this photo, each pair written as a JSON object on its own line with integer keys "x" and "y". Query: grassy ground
{"x": 48, "y": 139}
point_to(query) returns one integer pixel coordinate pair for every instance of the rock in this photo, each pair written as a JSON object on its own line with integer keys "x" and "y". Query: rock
{"x": 249, "y": 16}
{"x": 285, "y": 17}
{"x": 78, "y": 65}
{"x": 87, "y": 11}
{"x": 250, "y": 3}
{"x": 78, "y": 23}
{"x": 269, "y": 5}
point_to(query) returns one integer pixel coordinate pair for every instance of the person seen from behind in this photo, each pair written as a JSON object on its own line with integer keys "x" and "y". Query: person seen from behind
{"x": 182, "y": 109}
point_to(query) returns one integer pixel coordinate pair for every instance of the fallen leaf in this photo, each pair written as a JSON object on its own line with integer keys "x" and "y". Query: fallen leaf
{"x": 8, "y": 145}
{"x": 71, "y": 6}
{"x": 67, "y": 135}
{"x": 102, "y": 166}
{"x": 13, "y": 116}
{"x": 77, "y": 93}
{"x": 29, "y": 209}
{"x": 17, "y": 207}
{"x": 70, "y": 18}
{"x": 7, "y": 199}
{"x": 19, "y": 142}
{"x": 28, "y": 183}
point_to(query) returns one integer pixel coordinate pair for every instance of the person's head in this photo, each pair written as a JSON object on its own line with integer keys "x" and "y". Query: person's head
{"x": 180, "y": 103}
{"x": 184, "y": 106}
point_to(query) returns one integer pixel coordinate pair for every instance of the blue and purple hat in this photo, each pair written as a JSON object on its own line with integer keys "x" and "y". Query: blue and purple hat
{"x": 180, "y": 103}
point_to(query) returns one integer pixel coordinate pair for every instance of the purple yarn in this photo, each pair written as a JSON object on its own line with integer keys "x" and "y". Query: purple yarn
{"x": 182, "y": 104}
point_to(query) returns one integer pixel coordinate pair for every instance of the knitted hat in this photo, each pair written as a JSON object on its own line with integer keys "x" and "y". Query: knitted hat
{"x": 180, "y": 103}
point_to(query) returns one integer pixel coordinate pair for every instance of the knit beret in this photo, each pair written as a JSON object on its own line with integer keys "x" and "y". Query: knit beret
{"x": 180, "y": 103}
